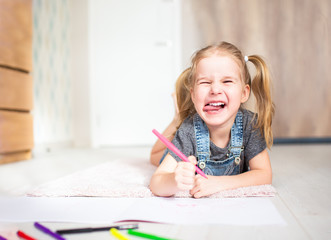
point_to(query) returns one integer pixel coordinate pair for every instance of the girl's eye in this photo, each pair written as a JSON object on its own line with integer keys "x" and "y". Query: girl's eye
{"x": 228, "y": 81}
{"x": 203, "y": 82}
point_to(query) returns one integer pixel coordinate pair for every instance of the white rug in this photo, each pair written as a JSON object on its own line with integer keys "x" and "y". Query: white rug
{"x": 124, "y": 178}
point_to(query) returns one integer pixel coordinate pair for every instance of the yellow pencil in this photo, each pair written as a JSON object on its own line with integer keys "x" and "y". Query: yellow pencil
{"x": 117, "y": 234}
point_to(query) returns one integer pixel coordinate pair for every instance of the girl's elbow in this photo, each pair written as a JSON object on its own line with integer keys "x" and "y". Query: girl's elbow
{"x": 157, "y": 192}
{"x": 158, "y": 189}
{"x": 268, "y": 177}
{"x": 154, "y": 186}
{"x": 153, "y": 159}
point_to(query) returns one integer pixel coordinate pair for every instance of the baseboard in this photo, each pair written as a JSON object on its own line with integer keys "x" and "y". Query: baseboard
{"x": 305, "y": 140}
{"x": 15, "y": 156}
{"x": 43, "y": 148}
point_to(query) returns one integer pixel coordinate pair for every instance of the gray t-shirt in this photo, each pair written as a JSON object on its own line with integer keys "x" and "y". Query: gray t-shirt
{"x": 253, "y": 141}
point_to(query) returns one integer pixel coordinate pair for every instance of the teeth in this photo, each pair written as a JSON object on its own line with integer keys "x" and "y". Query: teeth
{"x": 216, "y": 104}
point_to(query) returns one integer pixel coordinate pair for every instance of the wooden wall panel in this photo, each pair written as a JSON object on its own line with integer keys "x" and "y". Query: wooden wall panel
{"x": 294, "y": 38}
{"x": 16, "y": 34}
{"x": 16, "y": 90}
{"x": 16, "y": 131}
{"x": 16, "y": 87}
{"x": 15, "y": 156}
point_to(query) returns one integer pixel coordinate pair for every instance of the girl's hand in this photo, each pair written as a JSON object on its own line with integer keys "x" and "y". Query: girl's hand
{"x": 185, "y": 174}
{"x": 205, "y": 187}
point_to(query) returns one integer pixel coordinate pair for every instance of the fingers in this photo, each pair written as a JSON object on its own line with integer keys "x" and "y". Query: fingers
{"x": 196, "y": 187}
{"x": 184, "y": 175}
{"x": 193, "y": 160}
{"x": 197, "y": 190}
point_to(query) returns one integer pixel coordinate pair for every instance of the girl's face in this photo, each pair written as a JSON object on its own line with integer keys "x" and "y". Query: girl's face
{"x": 218, "y": 90}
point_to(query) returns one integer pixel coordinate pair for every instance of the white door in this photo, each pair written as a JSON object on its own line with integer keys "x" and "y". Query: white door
{"x": 133, "y": 69}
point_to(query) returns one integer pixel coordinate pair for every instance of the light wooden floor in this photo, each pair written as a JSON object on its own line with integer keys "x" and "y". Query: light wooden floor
{"x": 301, "y": 176}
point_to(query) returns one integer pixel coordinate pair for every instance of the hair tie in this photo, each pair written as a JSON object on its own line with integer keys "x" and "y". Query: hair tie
{"x": 246, "y": 59}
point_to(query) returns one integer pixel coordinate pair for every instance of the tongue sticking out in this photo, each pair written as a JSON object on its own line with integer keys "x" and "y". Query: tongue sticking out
{"x": 213, "y": 106}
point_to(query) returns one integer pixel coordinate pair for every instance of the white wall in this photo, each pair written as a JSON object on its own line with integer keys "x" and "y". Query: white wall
{"x": 132, "y": 62}
{"x": 90, "y": 56}
{"x": 82, "y": 128}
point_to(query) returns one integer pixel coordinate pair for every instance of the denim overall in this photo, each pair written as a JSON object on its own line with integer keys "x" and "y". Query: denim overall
{"x": 229, "y": 166}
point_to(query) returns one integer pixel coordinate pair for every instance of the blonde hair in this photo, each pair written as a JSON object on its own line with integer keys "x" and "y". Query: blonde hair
{"x": 184, "y": 102}
{"x": 261, "y": 85}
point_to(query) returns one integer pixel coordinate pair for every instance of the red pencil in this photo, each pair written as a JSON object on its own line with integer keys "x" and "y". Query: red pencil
{"x": 25, "y": 236}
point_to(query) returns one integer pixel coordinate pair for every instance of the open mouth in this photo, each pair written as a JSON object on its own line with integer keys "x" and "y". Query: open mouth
{"x": 214, "y": 106}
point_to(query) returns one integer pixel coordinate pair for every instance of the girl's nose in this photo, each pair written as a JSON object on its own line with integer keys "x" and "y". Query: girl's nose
{"x": 216, "y": 88}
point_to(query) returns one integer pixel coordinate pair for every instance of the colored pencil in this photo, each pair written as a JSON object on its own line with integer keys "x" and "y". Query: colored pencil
{"x": 87, "y": 230}
{"x": 146, "y": 235}
{"x": 176, "y": 151}
{"x": 48, "y": 231}
{"x": 118, "y": 235}
{"x": 24, "y": 235}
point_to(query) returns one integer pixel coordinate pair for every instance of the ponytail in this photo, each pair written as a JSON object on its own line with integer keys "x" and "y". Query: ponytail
{"x": 183, "y": 95}
{"x": 261, "y": 87}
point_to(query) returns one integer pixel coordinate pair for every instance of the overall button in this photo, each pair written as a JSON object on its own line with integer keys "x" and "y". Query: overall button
{"x": 237, "y": 160}
{"x": 202, "y": 165}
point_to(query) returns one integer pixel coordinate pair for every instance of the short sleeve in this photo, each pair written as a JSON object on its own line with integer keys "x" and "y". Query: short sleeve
{"x": 184, "y": 139}
{"x": 254, "y": 142}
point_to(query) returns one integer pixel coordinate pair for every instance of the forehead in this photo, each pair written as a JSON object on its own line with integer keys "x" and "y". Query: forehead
{"x": 217, "y": 65}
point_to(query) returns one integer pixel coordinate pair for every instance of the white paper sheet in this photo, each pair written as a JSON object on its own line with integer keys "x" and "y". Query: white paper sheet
{"x": 230, "y": 211}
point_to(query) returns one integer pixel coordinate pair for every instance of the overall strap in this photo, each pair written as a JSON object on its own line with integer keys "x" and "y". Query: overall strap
{"x": 237, "y": 136}
{"x": 203, "y": 141}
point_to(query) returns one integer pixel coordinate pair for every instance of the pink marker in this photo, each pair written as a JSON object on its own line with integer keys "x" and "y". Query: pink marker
{"x": 176, "y": 151}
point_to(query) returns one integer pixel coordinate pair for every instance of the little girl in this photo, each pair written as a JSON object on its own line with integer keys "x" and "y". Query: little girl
{"x": 227, "y": 142}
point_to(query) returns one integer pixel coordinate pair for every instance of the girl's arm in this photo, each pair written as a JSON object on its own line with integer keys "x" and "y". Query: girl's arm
{"x": 172, "y": 176}
{"x": 260, "y": 173}
{"x": 159, "y": 147}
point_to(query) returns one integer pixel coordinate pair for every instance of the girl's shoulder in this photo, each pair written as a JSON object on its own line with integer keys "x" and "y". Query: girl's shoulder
{"x": 254, "y": 142}
{"x": 249, "y": 118}
{"x": 184, "y": 138}
{"x": 187, "y": 125}
{"x": 186, "y": 132}
{"x": 247, "y": 113}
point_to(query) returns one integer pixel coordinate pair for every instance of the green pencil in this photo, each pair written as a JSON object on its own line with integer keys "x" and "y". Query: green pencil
{"x": 146, "y": 235}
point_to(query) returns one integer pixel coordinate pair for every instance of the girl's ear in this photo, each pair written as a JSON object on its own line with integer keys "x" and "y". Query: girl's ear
{"x": 245, "y": 93}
